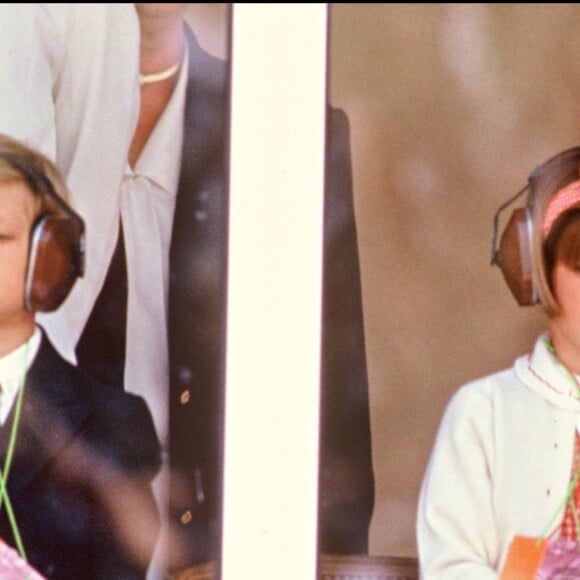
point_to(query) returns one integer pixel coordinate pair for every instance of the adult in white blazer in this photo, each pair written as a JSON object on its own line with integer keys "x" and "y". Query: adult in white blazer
{"x": 508, "y": 445}
{"x": 70, "y": 73}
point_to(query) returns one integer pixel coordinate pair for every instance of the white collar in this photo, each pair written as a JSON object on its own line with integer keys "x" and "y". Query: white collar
{"x": 542, "y": 371}
{"x": 13, "y": 369}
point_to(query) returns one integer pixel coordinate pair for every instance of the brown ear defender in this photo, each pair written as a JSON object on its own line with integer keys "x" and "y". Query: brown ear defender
{"x": 57, "y": 247}
{"x": 515, "y": 255}
{"x": 55, "y": 261}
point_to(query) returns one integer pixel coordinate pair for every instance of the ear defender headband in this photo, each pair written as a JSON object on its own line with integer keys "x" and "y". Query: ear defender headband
{"x": 560, "y": 177}
{"x": 57, "y": 246}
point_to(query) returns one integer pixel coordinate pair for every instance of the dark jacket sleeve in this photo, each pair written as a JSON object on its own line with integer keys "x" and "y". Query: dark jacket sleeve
{"x": 129, "y": 522}
{"x": 346, "y": 473}
{"x": 81, "y": 476}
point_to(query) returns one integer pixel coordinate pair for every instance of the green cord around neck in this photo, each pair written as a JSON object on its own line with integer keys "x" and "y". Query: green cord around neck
{"x": 569, "y": 498}
{"x": 552, "y": 349}
{"x": 8, "y": 461}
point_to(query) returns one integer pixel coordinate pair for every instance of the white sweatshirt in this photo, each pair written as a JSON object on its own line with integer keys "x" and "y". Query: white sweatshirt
{"x": 500, "y": 466}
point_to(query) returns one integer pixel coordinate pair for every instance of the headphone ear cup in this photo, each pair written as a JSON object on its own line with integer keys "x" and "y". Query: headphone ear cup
{"x": 55, "y": 261}
{"x": 516, "y": 257}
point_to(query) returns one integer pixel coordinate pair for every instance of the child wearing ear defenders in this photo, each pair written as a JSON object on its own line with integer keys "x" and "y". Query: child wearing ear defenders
{"x": 76, "y": 458}
{"x": 506, "y": 459}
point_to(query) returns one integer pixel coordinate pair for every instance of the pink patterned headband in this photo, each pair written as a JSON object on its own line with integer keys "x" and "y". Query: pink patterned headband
{"x": 564, "y": 199}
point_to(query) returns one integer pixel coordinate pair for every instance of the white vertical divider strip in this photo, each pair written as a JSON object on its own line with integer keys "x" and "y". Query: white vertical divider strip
{"x": 274, "y": 291}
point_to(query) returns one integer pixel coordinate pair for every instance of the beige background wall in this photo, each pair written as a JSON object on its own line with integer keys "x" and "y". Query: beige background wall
{"x": 451, "y": 107}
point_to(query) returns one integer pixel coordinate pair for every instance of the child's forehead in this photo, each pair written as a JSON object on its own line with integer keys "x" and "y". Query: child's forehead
{"x": 10, "y": 177}
{"x": 16, "y": 197}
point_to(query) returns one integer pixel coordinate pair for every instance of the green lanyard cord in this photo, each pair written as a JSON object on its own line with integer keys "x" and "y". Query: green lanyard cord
{"x": 571, "y": 376}
{"x": 12, "y": 519}
{"x": 568, "y": 499}
{"x": 7, "y": 462}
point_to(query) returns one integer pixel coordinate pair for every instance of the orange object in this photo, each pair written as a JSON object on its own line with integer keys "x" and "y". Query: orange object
{"x": 524, "y": 558}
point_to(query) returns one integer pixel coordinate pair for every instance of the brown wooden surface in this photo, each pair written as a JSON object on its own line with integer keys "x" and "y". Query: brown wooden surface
{"x": 367, "y": 568}
{"x": 200, "y": 572}
{"x": 335, "y": 568}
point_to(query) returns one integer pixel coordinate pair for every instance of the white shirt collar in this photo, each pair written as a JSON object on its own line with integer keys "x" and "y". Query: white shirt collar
{"x": 160, "y": 160}
{"x": 13, "y": 368}
{"x": 542, "y": 371}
